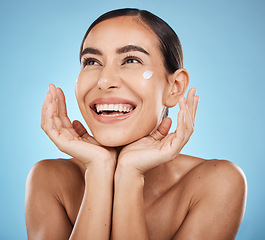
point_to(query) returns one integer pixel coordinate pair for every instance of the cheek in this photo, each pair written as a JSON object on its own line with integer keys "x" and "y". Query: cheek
{"x": 140, "y": 81}
{"x": 84, "y": 83}
{"x": 147, "y": 74}
{"x": 149, "y": 86}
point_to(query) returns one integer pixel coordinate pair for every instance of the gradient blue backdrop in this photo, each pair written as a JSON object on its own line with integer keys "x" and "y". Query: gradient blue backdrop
{"x": 223, "y": 43}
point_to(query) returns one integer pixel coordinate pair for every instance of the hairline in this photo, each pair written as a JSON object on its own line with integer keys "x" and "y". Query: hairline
{"x": 136, "y": 17}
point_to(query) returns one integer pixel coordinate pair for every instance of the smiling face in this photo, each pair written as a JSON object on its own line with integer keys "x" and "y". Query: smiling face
{"x": 122, "y": 86}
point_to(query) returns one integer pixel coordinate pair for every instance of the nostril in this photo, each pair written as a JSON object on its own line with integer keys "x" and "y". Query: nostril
{"x": 109, "y": 78}
{"x": 106, "y": 87}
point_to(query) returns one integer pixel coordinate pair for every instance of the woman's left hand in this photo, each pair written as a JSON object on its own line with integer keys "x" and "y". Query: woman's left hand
{"x": 161, "y": 147}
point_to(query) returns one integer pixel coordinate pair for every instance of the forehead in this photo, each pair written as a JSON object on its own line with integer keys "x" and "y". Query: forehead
{"x": 123, "y": 30}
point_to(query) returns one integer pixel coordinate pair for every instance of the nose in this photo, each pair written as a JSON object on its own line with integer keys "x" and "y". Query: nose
{"x": 109, "y": 78}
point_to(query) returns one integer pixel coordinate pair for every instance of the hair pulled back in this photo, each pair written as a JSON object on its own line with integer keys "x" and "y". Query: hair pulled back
{"x": 170, "y": 45}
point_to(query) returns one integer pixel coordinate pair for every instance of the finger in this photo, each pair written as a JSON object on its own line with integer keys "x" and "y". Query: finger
{"x": 189, "y": 125}
{"x": 82, "y": 132}
{"x": 177, "y": 143}
{"x": 49, "y": 127}
{"x": 190, "y": 101}
{"x": 46, "y": 102}
{"x": 175, "y": 140}
{"x": 180, "y": 131}
{"x": 62, "y": 111}
{"x": 183, "y": 109}
{"x": 52, "y": 90}
{"x": 59, "y": 137}
{"x": 162, "y": 130}
{"x": 57, "y": 122}
{"x": 196, "y": 101}
{"x": 80, "y": 129}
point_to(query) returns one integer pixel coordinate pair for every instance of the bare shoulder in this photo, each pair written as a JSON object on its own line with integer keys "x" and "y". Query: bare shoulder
{"x": 52, "y": 187}
{"x": 61, "y": 179}
{"x": 52, "y": 166}
{"x": 53, "y": 172}
{"x": 211, "y": 171}
{"x": 214, "y": 172}
{"x": 217, "y": 190}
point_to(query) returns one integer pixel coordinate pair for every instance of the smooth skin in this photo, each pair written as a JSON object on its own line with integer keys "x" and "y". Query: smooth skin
{"x": 141, "y": 188}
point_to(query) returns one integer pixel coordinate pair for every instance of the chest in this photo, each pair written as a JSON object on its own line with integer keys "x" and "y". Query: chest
{"x": 164, "y": 216}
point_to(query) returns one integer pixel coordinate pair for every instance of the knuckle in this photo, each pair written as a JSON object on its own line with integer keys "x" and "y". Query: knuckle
{"x": 190, "y": 129}
{"x": 186, "y": 139}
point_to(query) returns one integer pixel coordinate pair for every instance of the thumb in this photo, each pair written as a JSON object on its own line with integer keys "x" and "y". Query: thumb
{"x": 162, "y": 129}
{"x": 80, "y": 129}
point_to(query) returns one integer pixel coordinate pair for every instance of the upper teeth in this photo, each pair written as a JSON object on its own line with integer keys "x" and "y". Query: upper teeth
{"x": 114, "y": 107}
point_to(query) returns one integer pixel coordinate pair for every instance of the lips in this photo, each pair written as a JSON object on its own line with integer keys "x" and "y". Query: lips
{"x": 112, "y": 109}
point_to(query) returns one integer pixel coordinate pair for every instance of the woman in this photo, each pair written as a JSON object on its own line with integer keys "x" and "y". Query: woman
{"x": 129, "y": 180}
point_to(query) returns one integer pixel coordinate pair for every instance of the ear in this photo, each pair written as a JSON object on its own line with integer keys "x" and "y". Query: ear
{"x": 178, "y": 83}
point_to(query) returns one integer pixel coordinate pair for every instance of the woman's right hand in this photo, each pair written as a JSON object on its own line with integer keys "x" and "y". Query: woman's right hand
{"x": 72, "y": 138}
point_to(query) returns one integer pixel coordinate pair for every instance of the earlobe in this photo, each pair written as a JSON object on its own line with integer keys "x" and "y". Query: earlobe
{"x": 178, "y": 84}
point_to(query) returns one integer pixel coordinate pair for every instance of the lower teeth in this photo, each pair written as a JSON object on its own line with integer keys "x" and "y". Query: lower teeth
{"x": 111, "y": 115}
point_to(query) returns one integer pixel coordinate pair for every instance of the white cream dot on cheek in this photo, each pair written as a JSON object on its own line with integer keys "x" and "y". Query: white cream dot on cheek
{"x": 147, "y": 74}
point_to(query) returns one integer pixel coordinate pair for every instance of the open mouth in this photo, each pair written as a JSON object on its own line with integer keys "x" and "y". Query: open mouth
{"x": 112, "y": 110}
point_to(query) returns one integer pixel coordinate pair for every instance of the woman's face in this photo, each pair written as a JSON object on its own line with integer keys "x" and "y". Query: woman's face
{"x": 122, "y": 86}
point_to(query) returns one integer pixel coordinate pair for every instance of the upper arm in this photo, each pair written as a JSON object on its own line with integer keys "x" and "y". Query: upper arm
{"x": 218, "y": 203}
{"x": 46, "y": 217}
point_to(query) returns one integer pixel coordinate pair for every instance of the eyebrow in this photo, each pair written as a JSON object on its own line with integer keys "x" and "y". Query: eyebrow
{"x": 125, "y": 49}
{"x": 91, "y": 51}
{"x": 130, "y": 48}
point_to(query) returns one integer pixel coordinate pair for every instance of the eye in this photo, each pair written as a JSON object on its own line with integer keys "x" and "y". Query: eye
{"x": 131, "y": 59}
{"x": 90, "y": 61}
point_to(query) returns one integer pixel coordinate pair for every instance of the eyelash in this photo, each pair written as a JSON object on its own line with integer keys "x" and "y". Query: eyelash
{"x": 88, "y": 60}
{"x": 125, "y": 61}
{"x": 131, "y": 58}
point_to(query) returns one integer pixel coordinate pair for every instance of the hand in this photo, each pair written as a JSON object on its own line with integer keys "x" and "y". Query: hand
{"x": 161, "y": 147}
{"x": 72, "y": 139}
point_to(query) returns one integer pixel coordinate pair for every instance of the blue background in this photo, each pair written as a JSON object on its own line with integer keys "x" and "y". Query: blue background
{"x": 223, "y": 43}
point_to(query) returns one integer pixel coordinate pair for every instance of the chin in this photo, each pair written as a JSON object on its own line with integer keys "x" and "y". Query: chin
{"x": 120, "y": 135}
{"x": 114, "y": 141}
{"x": 118, "y": 138}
